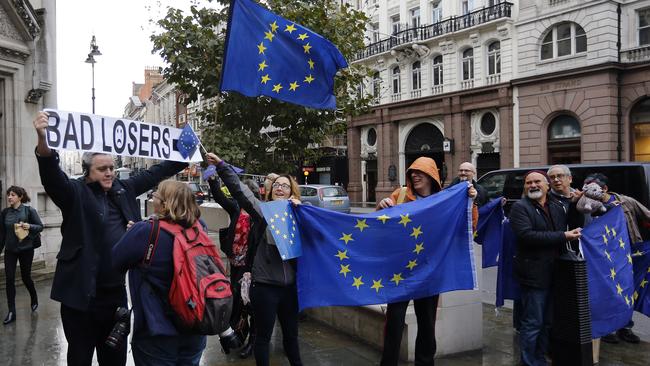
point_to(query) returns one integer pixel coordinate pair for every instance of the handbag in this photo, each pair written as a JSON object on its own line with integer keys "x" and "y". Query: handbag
{"x": 21, "y": 233}
{"x": 36, "y": 237}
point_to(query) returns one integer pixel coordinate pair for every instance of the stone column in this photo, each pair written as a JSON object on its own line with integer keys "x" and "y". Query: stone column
{"x": 354, "y": 164}
{"x": 506, "y": 151}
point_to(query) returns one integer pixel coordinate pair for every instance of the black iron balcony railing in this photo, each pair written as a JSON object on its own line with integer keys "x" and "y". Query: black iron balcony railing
{"x": 424, "y": 32}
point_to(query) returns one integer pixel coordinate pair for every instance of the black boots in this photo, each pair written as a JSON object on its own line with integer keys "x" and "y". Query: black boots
{"x": 11, "y": 317}
{"x": 247, "y": 351}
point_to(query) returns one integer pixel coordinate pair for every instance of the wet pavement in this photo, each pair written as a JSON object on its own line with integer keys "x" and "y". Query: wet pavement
{"x": 37, "y": 339}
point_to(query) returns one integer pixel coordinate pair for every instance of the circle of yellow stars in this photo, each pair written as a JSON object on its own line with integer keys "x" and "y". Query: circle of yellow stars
{"x": 611, "y": 237}
{"x": 284, "y": 218}
{"x": 267, "y": 41}
{"x": 363, "y": 224}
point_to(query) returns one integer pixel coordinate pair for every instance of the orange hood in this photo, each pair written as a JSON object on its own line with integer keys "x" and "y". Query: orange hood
{"x": 427, "y": 166}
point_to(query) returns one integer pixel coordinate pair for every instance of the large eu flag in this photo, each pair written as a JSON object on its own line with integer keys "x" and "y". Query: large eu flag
{"x": 272, "y": 56}
{"x": 641, "y": 264}
{"x": 409, "y": 251}
{"x": 605, "y": 244}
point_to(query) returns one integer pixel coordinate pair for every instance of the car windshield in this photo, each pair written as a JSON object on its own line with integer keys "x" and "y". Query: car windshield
{"x": 307, "y": 191}
{"x": 195, "y": 187}
{"x": 334, "y": 192}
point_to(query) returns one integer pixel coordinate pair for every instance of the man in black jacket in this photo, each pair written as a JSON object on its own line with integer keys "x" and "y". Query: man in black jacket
{"x": 540, "y": 225}
{"x": 467, "y": 172}
{"x": 97, "y": 209}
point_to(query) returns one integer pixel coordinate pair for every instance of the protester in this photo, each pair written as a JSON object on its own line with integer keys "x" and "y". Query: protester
{"x": 273, "y": 290}
{"x": 539, "y": 222}
{"x": 268, "y": 180}
{"x": 18, "y": 219}
{"x": 636, "y": 215}
{"x": 97, "y": 208}
{"x": 467, "y": 173}
{"x": 156, "y": 340}
{"x": 422, "y": 180}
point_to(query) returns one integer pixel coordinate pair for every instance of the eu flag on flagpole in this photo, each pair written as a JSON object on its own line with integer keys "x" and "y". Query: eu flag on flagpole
{"x": 641, "y": 265}
{"x": 272, "y": 56}
{"x": 507, "y": 284}
{"x": 489, "y": 231}
{"x": 408, "y": 251}
{"x": 187, "y": 142}
{"x": 605, "y": 244}
{"x": 282, "y": 224}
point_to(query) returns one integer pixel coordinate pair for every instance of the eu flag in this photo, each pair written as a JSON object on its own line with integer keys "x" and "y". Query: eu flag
{"x": 282, "y": 224}
{"x": 489, "y": 231}
{"x": 507, "y": 284}
{"x": 272, "y": 56}
{"x": 605, "y": 244}
{"x": 187, "y": 142}
{"x": 641, "y": 265}
{"x": 408, "y": 251}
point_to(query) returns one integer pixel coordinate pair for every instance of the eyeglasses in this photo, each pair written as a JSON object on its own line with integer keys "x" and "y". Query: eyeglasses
{"x": 557, "y": 176}
{"x": 284, "y": 186}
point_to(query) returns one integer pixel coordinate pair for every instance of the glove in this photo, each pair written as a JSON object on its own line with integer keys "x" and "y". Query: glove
{"x": 229, "y": 340}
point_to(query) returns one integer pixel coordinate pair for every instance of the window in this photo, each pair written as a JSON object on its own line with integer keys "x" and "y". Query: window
{"x": 371, "y": 139}
{"x": 394, "y": 21}
{"x": 416, "y": 83}
{"x": 374, "y": 28}
{"x": 376, "y": 85}
{"x": 488, "y": 123}
{"x": 562, "y": 40}
{"x": 467, "y": 6}
{"x": 415, "y": 17}
{"x": 494, "y": 58}
{"x": 396, "y": 80}
{"x": 468, "y": 64}
{"x": 564, "y": 140}
{"x": 437, "y": 70}
{"x": 644, "y": 27}
{"x": 436, "y": 12}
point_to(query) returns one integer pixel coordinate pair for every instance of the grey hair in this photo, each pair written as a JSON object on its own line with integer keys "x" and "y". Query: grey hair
{"x": 565, "y": 169}
{"x": 253, "y": 187}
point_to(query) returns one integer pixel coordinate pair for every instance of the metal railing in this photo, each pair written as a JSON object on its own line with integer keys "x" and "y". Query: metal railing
{"x": 453, "y": 24}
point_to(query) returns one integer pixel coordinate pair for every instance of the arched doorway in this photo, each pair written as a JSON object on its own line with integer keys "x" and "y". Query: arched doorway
{"x": 425, "y": 139}
{"x": 640, "y": 121}
{"x": 564, "y": 140}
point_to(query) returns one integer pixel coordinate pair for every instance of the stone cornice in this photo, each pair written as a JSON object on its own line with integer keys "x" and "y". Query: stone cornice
{"x": 27, "y": 16}
{"x": 14, "y": 54}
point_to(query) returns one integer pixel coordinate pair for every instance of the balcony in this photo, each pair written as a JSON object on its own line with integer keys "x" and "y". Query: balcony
{"x": 416, "y": 93}
{"x": 641, "y": 53}
{"x": 467, "y": 84}
{"x": 437, "y": 89}
{"x": 396, "y": 97}
{"x": 493, "y": 79}
{"x": 453, "y": 24}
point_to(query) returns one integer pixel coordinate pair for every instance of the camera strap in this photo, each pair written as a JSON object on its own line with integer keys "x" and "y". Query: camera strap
{"x": 152, "y": 242}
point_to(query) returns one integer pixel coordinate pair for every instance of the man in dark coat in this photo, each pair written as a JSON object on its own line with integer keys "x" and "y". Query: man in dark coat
{"x": 539, "y": 222}
{"x": 467, "y": 172}
{"x": 97, "y": 209}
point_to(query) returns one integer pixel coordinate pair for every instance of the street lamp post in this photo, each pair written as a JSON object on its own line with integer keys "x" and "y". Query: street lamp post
{"x": 94, "y": 51}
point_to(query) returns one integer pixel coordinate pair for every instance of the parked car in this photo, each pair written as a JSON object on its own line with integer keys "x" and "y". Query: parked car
{"x": 326, "y": 196}
{"x": 198, "y": 192}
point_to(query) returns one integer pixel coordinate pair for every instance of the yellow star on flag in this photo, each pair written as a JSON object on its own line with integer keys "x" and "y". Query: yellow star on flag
{"x": 627, "y": 300}
{"x": 262, "y": 66}
{"x": 607, "y": 230}
{"x": 261, "y": 48}
{"x": 396, "y": 278}
{"x": 619, "y": 290}
{"x": 277, "y": 87}
{"x": 412, "y": 264}
{"x": 608, "y": 256}
{"x": 276, "y": 216}
{"x": 648, "y": 269}
{"x": 311, "y": 64}
{"x": 357, "y": 282}
{"x": 638, "y": 253}
{"x": 284, "y": 236}
{"x": 344, "y": 270}
{"x": 306, "y": 47}
{"x": 293, "y": 86}
{"x": 274, "y": 27}
{"x": 309, "y": 79}
{"x": 361, "y": 224}
{"x": 605, "y": 239}
{"x": 614, "y": 232}
{"x": 342, "y": 255}
{"x": 346, "y": 237}
{"x": 418, "y": 248}
{"x": 303, "y": 36}
{"x": 612, "y": 272}
{"x": 290, "y": 28}
{"x": 269, "y": 36}
{"x": 417, "y": 231}
{"x": 621, "y": 243}
{"x": 283, "y": 219}
{"x": 643, "y": 283}
{"x": 383, "y": 218}
{"x": 629, "y": 258}
{"x": 376, "y": 285}
{"x": 277, "y": 232}
{"x": 635, "y": 296}
{"x": 405, "y": 219}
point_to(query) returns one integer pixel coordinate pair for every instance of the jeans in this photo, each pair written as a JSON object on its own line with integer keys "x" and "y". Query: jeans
{"x": 181, "y": 350}
{"x": 25, "y": 258}
{"x": 535, "y": 325}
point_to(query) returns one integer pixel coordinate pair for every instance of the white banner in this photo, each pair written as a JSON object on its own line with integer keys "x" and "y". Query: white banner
{"x": 115, "y": 136}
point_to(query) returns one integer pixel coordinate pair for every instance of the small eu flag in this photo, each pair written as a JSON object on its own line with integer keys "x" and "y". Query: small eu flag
{"x": 187, "y": 142}
{"x": 641, "y": 259}
{"x": 489, "y": 231}
{"x": 282, "y": 224}
{"x": 272, "y": 56}
{"x": 605, "y": 244}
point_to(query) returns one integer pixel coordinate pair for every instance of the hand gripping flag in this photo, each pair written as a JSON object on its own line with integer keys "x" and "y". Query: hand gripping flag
{"x": 272, "y": 56}
{"x": 605, "y": 244}
{"x": 187, "y": 142}
{"x": 409, "y": 251}
{"x": 641, "y": 259}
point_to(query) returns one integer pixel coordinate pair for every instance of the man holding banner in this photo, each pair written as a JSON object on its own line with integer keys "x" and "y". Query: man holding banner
{"x": 97, "y": 209}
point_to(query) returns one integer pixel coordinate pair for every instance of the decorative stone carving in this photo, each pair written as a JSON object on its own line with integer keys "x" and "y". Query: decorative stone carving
{"x": 368, "y": 150}
{"x": 34, "y": 95}
{"x": 7, "y": 27}
{"x": 503, "y": 32}
{"x": 480, "y": 141}
{"x": 14, "y": 55}
{"x": 28, "y": 16}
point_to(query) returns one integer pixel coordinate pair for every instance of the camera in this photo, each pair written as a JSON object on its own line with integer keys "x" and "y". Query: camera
{"x": 229, "y": 340}
{"x": 121, "y": 328}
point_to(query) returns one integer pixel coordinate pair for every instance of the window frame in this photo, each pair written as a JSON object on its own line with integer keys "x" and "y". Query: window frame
{"x": 639, "y": 28}
{"x": 437, "y": 70}
{"x": 470, "y": 64}
{"x": 416, "y": 76}
{"x": 496, "y": 55}
{"x": 396, "y": 80}
{"x": 554, "y": 42}
{"x": 415, "y": 19}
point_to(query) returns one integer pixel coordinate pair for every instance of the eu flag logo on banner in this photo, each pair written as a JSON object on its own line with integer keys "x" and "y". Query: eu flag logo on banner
{"x": 641, "y": 265}
{"x": 282, "y": 224}
{"x": 272, "y": 56}
{"x": 187, "y": 142}
{"x": 408, "y": 251}
{"x": 605, "y": 244}
{"x": 489, "y": 231}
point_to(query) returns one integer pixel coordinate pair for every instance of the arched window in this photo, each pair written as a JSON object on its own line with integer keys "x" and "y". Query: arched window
{"x": 564, "y": 140}
{"x": 563, "y": 39}
{"x": 396, "y": 80}
{"x": 416, "y": 77}
{"x": 437, "y": 70}
{"x": 640, "y": 119}
{"x": 494, "y": 58}
{"x": 468, "y": 64}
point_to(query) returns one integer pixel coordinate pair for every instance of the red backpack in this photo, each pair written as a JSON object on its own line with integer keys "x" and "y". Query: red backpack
{"x": 200, "y": 298}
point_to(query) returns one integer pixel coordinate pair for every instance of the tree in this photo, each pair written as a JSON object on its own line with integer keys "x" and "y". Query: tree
{"x": 193, "y": 47}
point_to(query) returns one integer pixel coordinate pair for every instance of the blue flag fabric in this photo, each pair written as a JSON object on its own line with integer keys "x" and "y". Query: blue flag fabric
{"x": 209, "y": 171}
{"x": 281, "y": 222}
{"x": 641, "y": 265}
{"x": 408, "y": 251}
{"x": 605, "y": 244}
{"x": 272, "y": 56}
{"x": 507, "y": 284}
{"x": 489, "y": 231}
{"x": 187, "y": 142}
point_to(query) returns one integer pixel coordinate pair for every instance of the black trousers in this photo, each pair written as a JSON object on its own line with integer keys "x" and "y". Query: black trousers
{"x": 425, "y": 342}
{"x": 25, "y": 258}
{"x": 86, "y": 331}
{"x": 240, "y": 312}
{"x": 269, "y": 301}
